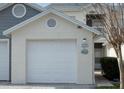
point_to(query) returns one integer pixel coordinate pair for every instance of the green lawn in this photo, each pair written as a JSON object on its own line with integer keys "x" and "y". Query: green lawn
{"x": 115, "y": 86}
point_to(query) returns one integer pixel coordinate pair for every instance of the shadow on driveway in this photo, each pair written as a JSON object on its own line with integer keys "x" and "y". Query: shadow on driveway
{"x": 100, "y": 80}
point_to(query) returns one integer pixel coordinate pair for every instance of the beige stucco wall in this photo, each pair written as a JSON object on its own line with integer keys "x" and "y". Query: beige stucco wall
{"x": 37, "y": 30}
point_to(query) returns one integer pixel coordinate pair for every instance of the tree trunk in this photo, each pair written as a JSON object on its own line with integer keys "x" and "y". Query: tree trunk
{"x": 121, "y": 68}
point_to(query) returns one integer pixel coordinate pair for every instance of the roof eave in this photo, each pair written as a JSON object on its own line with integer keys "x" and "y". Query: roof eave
{"x": 78, "y": 23}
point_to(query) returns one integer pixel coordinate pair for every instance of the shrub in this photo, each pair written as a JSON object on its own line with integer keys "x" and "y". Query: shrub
{"x": 110, "y": 68}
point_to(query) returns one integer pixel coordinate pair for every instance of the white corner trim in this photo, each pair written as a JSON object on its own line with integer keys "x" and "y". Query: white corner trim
{"x": 61, "y": 14}
{"x": 13, "y": 12}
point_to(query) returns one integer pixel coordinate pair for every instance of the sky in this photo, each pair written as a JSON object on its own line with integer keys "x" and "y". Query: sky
{"x": 44, "y": 4}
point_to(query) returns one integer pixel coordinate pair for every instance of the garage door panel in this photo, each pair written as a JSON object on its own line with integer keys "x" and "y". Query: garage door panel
{"x": 51, "y": 61}
{"x": 4, "y": 60}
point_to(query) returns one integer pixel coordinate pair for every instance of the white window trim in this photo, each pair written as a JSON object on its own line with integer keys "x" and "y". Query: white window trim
{"x": 48, "y": 26}
{"x": 14, "y": 12}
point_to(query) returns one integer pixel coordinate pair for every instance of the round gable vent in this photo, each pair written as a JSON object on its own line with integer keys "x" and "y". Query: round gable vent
{"x": 51, "y": 23}
{"x": 19, "y": 10}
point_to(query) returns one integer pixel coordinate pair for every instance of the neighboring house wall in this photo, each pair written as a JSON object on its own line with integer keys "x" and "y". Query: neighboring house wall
{"x": 37, "y": 30}
{"x": 7, "y": 19}
{"x": 78, "y": 10}
{"x": 79, "y": 15}
{"x": 111, "y": 52}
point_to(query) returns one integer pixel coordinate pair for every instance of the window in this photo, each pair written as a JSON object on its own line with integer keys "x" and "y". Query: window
{"x": 94, "y": 19}
{"x": 51, "y": 23}
{"x": 89, "y": 22}
{"x": 19, "y": 10}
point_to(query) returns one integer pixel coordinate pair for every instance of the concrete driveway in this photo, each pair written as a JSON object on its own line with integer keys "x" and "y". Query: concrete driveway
{"x": 7, "y": 85}
{"x": 100, "y": 81}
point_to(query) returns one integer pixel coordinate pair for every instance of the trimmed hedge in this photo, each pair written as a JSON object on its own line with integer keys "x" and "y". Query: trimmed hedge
{"x": 110, "y": 67}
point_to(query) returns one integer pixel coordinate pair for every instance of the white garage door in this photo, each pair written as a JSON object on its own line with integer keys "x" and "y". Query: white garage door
{"x": 52, "y": 61}
{"x": 4, "y": 60}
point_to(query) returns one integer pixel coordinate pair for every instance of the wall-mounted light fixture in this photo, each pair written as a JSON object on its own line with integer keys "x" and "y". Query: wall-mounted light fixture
{"x": 84, "y": 46}
{"x": 79, "y": 27}
{"x": 84, "y": 40}
{"x": 84, "y": 43}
